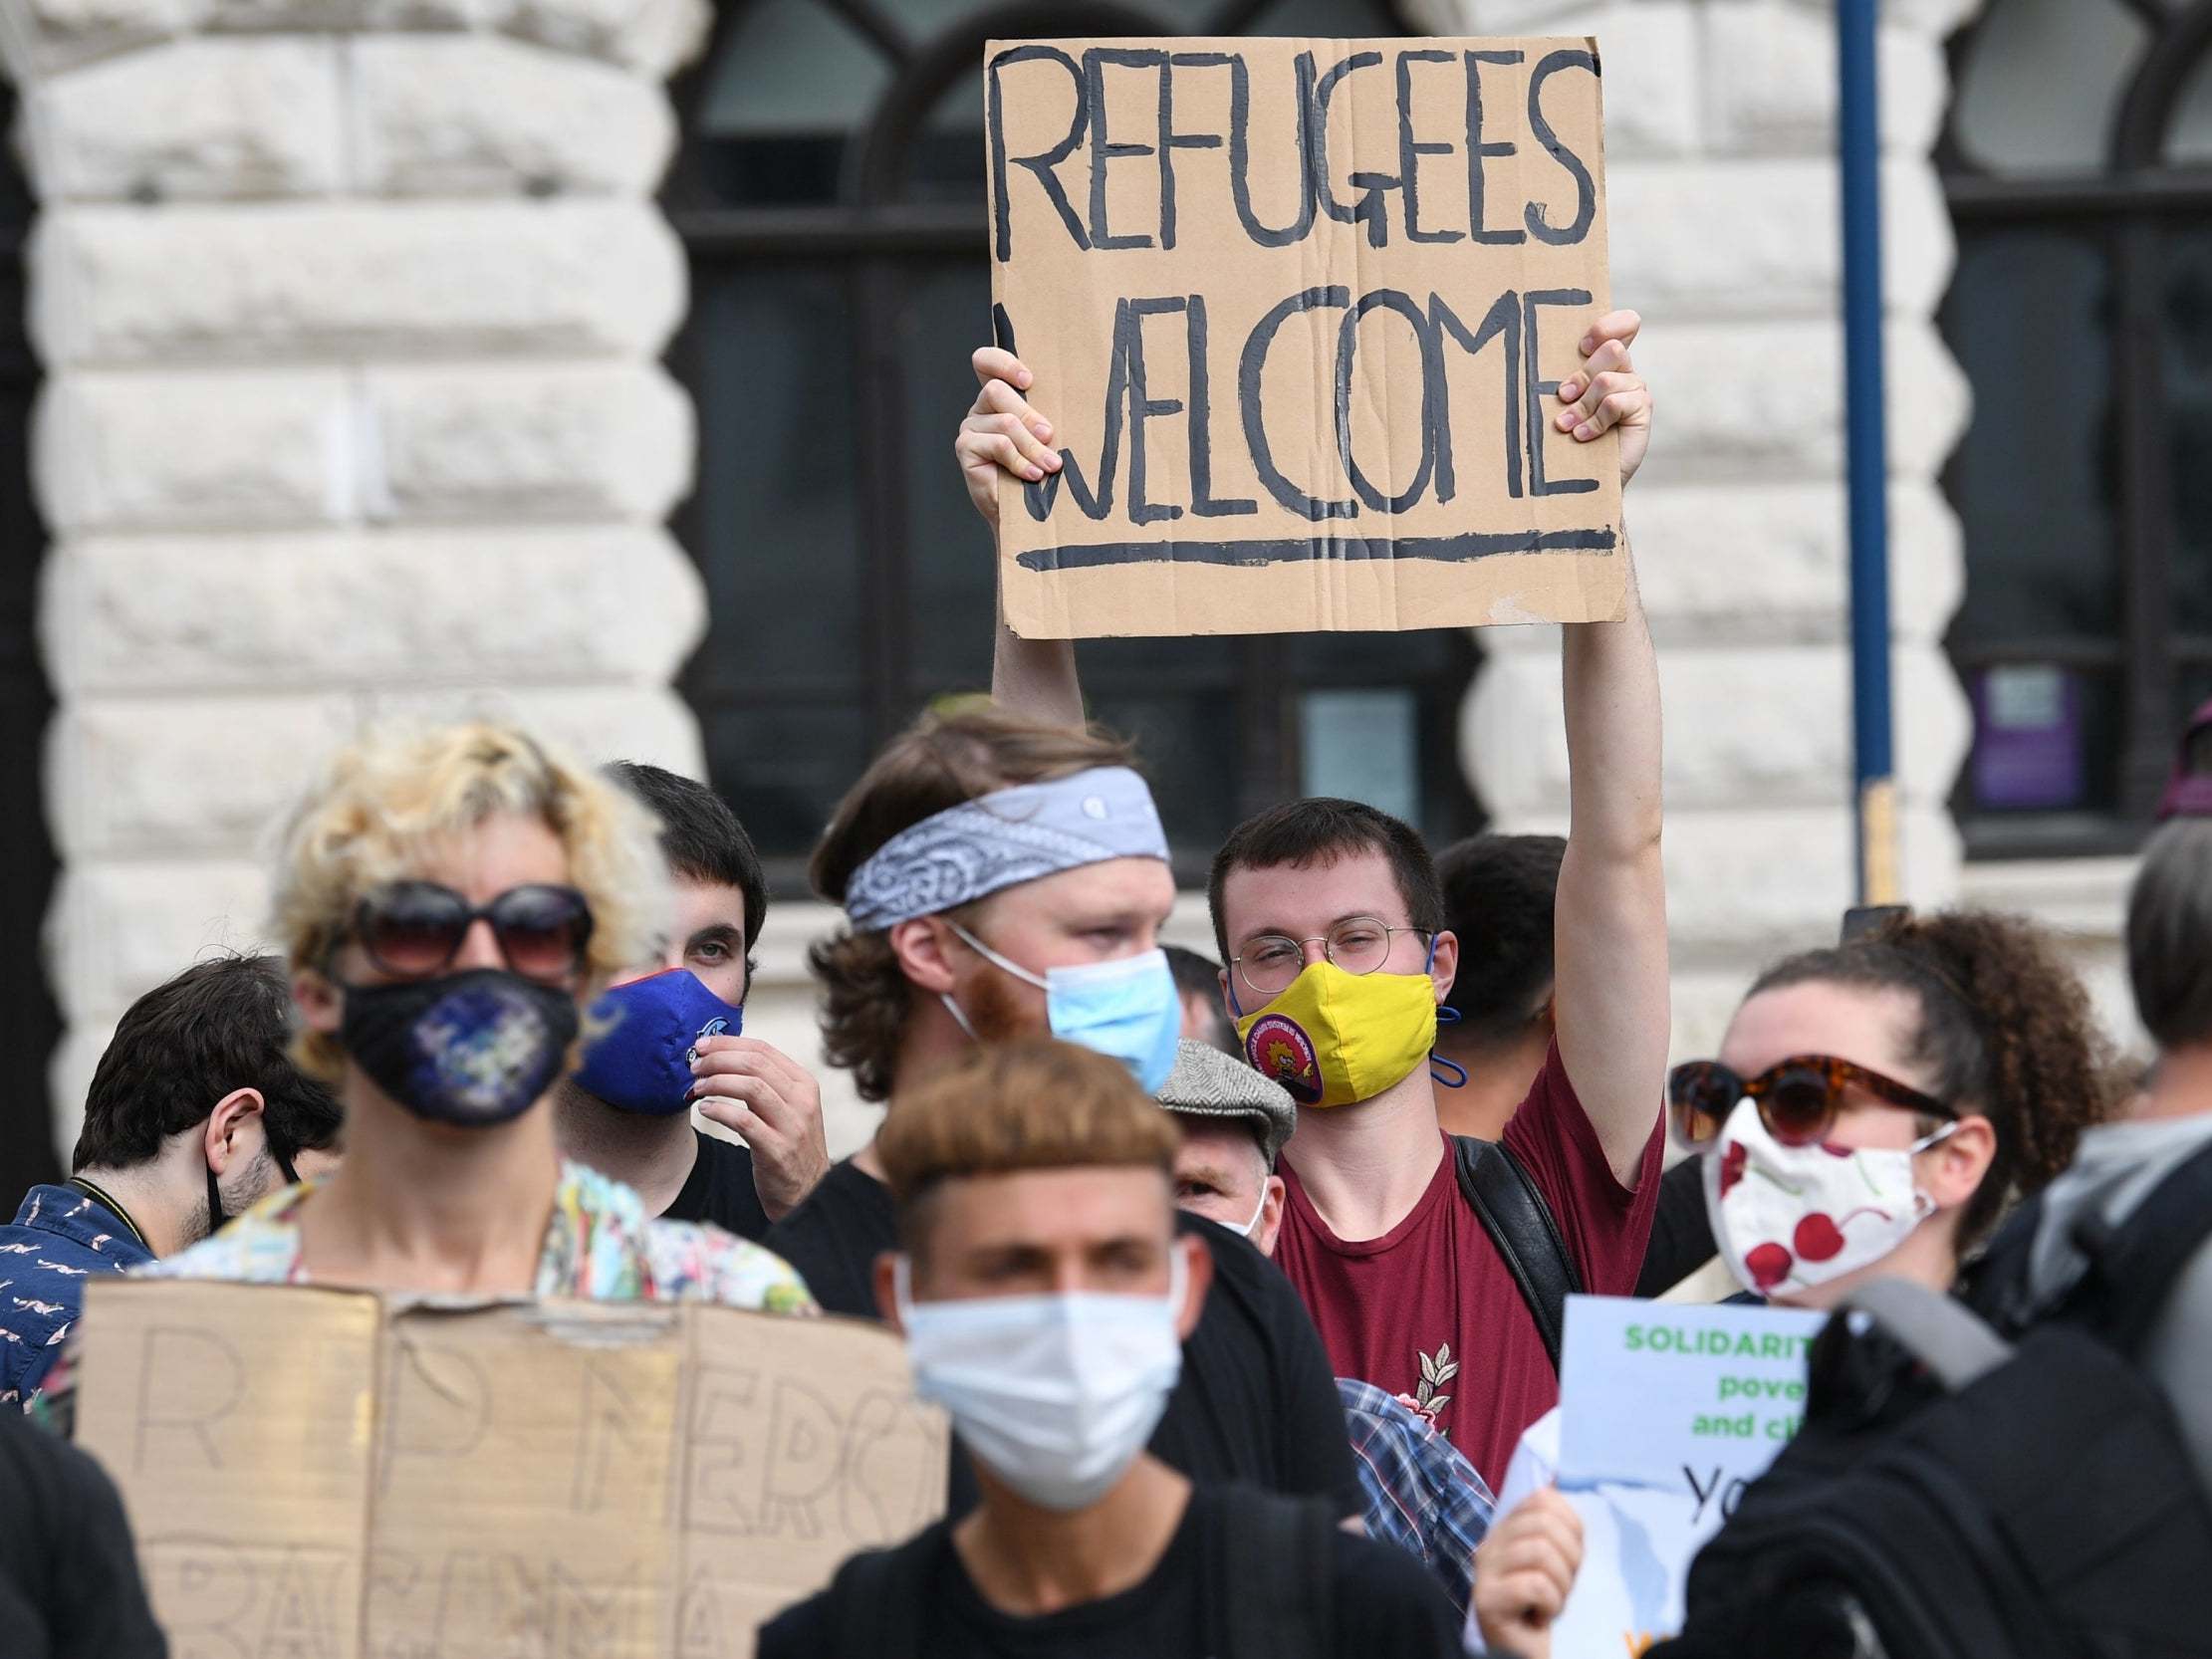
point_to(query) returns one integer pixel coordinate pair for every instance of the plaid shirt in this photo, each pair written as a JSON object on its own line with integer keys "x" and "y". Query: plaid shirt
{"x": 1422, "y": 1493}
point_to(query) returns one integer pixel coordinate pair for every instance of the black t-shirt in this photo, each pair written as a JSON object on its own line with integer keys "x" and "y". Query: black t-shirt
{"x": 1381, "y": 1602}
{"x": 1257, "y": 1401}
{"x": 720, "y": 1188}
{"x": 1681, "y": 1232}
{"x": 68, "y": 1578}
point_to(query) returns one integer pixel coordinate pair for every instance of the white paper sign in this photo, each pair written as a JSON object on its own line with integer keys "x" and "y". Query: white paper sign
{"x": 1666, "y": 1412}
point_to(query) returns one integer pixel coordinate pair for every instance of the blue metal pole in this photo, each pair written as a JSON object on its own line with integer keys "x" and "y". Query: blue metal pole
{"x": 1858, "y": 108}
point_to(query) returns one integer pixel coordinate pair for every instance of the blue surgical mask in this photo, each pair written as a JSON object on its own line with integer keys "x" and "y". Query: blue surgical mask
{"x": 1128, "y": 1008}
{"x": 646, "y": 1034}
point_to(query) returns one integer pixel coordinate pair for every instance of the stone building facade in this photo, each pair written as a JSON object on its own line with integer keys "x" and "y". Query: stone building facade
{"x": 352, "y": 316}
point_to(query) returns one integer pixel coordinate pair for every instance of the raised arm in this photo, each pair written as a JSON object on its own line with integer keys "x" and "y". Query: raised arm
{"x": 1003, "y": 434}
{"x": 1611, "y": 1002}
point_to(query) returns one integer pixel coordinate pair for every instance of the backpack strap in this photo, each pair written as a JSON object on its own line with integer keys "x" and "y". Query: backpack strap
{"x": 1279, "y": 1591}
{"x": 1505, "y": 1199}
{"x": 1935, "y": 1329}
{"x": 2132, "y": 1266}
{"x": 1996, "y": 1282}
{"x": 877, "y": 1597}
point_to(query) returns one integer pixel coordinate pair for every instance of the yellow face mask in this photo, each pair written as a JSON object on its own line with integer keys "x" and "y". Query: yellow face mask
{"x": 1332, "y": 1039}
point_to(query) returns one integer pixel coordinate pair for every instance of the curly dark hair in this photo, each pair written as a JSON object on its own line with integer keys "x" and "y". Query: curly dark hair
{"x": 2006, "y": 1030}
{"x": 948, "y": 756}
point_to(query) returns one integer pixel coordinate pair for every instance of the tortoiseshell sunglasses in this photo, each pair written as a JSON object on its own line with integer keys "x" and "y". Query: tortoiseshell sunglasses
{"x": 1798, "y": 1099}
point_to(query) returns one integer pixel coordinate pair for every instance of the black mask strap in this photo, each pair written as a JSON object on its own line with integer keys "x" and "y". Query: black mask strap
{"x": 216, "y": 1215}
{"x": 284, "y": 1163}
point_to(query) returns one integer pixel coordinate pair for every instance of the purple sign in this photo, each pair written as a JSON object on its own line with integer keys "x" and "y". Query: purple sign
{"x": 2028, "y": 738}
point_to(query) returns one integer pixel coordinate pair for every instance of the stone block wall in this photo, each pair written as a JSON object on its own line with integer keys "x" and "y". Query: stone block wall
{"x": 350, "y": 315}
{"x": 1726, "y": 235}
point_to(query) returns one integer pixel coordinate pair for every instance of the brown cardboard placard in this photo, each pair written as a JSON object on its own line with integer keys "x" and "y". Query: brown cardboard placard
{"x": 334, "y": 1474}
{"x": 1297, "y": 307}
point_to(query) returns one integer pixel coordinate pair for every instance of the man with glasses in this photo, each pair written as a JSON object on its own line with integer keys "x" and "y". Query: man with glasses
{"x": 196, "y": 1113}
{"x": 1331, "y": 921}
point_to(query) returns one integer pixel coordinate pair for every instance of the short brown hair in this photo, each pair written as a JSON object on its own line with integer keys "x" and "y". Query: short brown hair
{"x": 946, "y": 757}
{"x": 1031, "y": 1103}
{"x": 1320, "y": 830}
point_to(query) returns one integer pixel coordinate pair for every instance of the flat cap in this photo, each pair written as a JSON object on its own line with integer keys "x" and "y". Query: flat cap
{"x": 1209, "y": 1084}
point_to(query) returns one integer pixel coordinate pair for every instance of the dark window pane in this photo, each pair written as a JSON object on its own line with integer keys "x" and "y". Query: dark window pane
{"x": 788, "y": 67}
{"x": 949, "y": 553}
{"x": 774, "y": 528}
{"x": 2032, "y": 481}
{"x": 2046, "y": 740}
{"x": 2189, "y": 133}
{"x": 790, "y": 82}
{"x": 2011, "y": 115}
{"x": 1363, "y": 746}
{"x": 1188, "y": 746}
{"x": 2196, "y": 691}
{"x": 2186, "y": 367}
{"x": 783, "y": 769}
{"x": 945, "y": 160}
{"x": 773, "y": 523}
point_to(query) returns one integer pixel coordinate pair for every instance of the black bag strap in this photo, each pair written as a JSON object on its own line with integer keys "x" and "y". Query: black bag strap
{"x": 1996, "y": 1282}
{"x": 1281, "y": 1579}
{"x": 1505, "y": 1199}
{"x": 877, "y": 1597}
{"x": 1939, "y": 1332}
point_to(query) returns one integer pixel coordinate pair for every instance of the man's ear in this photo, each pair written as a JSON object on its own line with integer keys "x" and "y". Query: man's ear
{"x": 886, "y": 1289}
{"x": 321, "y": 1003}
{"x": 922, "y": 946}
{"x": 1443, "y": 962}
{"x": 1270, "y": 1216}
{"x": 1951, "y": 1171}
{"x": 1198, "y": 1279}
{"x": 222, "y": 1140}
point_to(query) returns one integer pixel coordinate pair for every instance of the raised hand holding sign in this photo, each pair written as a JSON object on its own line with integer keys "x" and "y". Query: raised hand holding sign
{"x": 1305, "y": 311}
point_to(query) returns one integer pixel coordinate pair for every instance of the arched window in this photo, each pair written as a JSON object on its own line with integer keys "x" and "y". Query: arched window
{"x": 2079, "y": 165}
{"x": 831, "y": 194}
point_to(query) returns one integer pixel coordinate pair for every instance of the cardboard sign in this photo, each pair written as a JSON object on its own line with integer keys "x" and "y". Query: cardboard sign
{"x": 334, "y": 1474}
{"x": 1666, "y": 1412}
{"x": 1297, "y": 309}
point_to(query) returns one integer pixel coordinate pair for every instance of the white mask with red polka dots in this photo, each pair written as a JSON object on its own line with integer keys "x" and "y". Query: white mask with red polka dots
{"x": 1788, "y": 1218}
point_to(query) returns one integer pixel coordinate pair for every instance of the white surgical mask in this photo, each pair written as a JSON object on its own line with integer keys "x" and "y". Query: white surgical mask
{"x": 1788, "y": 1218}
{"x": 1245, "y": 1232}
{"x": 1056, "y": 1394}
{"x": 1128, "y": 1008}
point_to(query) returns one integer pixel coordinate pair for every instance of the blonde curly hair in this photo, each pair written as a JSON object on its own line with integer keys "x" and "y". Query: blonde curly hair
{"x": 392, "y": 795}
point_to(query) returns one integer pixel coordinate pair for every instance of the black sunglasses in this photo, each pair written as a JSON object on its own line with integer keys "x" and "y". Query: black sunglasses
{"x": 1798, "y": 1099}
{"x": 414, "y": 929}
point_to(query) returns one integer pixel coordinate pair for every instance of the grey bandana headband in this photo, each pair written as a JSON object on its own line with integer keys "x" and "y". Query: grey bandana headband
{"x": 1000, "y": 839}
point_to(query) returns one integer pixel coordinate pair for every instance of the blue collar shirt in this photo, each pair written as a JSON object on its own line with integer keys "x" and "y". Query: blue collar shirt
{"x": 60, "y": 1238}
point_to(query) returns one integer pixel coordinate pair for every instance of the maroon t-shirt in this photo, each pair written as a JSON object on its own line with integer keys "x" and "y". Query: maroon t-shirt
{"x": 1428, "y": 1311}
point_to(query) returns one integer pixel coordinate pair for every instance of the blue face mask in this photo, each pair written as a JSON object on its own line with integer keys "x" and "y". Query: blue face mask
{"x": 1126, "y": 1008}
{"x": 647, "y": 1033}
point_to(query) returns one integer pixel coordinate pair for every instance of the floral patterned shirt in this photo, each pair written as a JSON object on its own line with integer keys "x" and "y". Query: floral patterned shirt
{"x": 600, "y": 1246}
